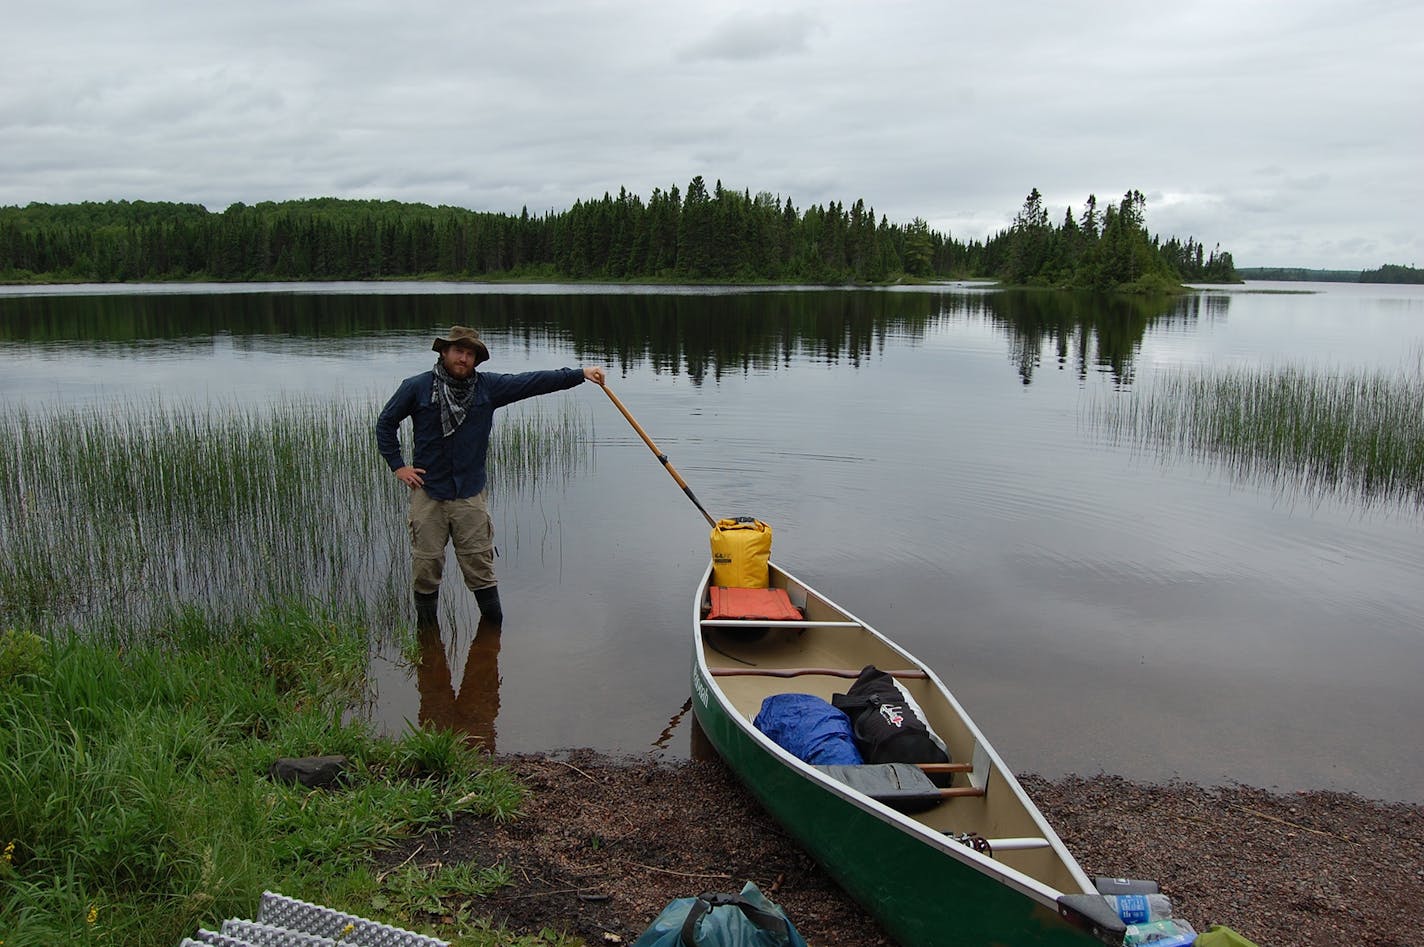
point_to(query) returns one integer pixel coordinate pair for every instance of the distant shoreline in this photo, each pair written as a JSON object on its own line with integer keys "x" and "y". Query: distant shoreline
{"x": 651, "y": 282}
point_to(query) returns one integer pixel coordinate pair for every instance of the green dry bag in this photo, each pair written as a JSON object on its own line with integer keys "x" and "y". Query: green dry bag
{"x": 747, "y": 919}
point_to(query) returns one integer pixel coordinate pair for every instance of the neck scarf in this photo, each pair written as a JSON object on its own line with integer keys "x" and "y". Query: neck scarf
{"x": 453, "y": 396}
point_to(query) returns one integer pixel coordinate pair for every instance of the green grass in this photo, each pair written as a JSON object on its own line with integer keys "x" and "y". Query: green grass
{"x": 116, "y": 520}
{"x": 134, "y": 801}
{"x": 1356, "y": 435}
{"x": 152, "y": 666}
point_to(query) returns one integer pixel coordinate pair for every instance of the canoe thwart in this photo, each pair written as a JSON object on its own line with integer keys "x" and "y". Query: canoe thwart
{"x": 1022, "y": 844}
{"x": 776, "y": 623}
{"x": 908, "y": 673}
{"x": 945, "y": 767}
{"x": 994, "y": 847}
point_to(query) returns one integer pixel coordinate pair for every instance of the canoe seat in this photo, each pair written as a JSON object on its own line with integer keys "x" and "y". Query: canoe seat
{"x": 751, "y": 604}
{"x": 901, "y": 786}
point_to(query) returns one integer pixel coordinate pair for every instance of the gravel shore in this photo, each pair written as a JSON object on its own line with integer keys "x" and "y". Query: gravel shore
{"x": 604, "y": 844}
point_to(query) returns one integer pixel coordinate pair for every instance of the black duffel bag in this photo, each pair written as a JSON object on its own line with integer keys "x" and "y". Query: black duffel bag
{"x": 885, "y": 722}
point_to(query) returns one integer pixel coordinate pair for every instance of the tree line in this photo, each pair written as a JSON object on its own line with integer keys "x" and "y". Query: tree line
{"x": 1393, "y": 273}
{"x": 1389, "y": 273}
{"x": 716, "y": 234}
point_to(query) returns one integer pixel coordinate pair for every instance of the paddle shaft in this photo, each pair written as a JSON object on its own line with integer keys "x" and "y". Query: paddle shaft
{"x": 660, "y": 455}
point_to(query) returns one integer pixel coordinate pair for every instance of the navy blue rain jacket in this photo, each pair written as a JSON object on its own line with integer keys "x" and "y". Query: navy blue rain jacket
{"x": 455, "y": 465}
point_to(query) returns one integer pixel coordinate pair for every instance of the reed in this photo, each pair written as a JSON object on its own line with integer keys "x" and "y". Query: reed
{"x": 1353, "y": 435}
{"x": 114, "y": 520}
{"x": 136, "y": 805}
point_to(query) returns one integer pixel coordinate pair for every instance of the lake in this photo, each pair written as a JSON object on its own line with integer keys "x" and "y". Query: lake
{"x": 929, "y": 457}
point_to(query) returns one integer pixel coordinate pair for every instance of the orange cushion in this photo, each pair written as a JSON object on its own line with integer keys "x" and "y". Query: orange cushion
{"x": 764, "y": 604}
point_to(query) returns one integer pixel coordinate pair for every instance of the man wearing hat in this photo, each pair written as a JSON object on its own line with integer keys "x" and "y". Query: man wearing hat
{"x": 451, "y": 410}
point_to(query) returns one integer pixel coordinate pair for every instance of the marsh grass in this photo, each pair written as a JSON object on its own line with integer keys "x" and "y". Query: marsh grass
{"x": 1357, "y": 436}
{"x": 134, "y": 805}
{"x": 115, "y": 520}
{"x": 152, "y": 665}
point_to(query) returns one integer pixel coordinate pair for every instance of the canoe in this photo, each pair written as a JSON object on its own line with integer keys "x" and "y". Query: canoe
{"x": 922, "y": 874}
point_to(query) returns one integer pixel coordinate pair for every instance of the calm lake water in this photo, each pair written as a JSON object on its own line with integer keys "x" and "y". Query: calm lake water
{"x": 928, "y": 457}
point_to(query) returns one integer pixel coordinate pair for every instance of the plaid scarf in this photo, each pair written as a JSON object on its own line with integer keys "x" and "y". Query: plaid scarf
{"x": 453, "y": 396}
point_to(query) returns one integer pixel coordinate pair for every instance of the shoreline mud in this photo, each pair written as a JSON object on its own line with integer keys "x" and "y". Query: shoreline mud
{"x": 605, "y": 843}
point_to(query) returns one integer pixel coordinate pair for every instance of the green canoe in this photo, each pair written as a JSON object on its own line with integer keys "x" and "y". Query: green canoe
{"x": 980, "y": 866}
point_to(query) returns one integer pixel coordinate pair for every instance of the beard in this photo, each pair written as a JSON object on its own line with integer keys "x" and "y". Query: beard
{"x": 456, "y": 367}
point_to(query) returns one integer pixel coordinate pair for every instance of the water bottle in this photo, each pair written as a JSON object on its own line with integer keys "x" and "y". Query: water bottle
{"x": 1172, "y": 932}
{"x": 1140, "y": 908}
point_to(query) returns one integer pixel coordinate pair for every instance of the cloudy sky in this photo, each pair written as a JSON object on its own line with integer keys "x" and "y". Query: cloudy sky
{"x": 1292, "y": 133}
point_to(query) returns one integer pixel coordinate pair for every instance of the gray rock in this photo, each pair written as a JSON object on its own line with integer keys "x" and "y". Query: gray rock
{"x": 314, "y": 772}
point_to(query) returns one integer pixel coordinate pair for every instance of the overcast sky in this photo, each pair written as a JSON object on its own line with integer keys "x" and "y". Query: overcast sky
{"x": 1292, "y": 133}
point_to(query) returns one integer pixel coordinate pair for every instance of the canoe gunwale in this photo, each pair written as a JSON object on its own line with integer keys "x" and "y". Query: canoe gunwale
{"x": 1042, "y": 893}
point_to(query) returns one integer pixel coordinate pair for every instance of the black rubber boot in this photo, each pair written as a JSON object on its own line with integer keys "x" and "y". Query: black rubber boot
{"x": 488, "y": 600}
{"x": 426, "y": 607}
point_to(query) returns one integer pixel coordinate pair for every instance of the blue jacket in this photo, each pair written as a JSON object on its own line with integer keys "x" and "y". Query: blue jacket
{"x": 455, "y": 465}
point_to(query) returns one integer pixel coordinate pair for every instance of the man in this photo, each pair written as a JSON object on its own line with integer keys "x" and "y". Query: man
{"x": 451, "y": 409}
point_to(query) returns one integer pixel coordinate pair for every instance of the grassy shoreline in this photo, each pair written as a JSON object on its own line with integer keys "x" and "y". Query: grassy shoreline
{"x": 137, "y": 805}
{"x": 155, "y": 659}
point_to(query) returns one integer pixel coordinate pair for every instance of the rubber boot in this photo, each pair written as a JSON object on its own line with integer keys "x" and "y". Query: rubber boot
{"x": 426, "y": 607}
{"x": 488, "y": 600}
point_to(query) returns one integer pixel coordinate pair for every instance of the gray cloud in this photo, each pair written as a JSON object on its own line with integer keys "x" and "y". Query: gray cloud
{"x": 746, "y": 37}
{"x": 1287, "y": 134}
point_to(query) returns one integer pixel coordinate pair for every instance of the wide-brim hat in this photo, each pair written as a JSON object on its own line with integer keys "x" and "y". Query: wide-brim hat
{"x": 462, "y": 335}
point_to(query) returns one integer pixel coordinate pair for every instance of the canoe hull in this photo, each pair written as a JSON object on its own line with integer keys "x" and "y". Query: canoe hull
{"x": 924, "y": 891}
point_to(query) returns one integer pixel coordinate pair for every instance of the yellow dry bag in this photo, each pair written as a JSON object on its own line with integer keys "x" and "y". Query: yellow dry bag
{"x": 741, "y": 551}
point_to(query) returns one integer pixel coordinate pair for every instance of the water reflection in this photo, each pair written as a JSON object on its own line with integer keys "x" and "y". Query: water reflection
{"x": 701, "y": 336}
{"x": 470, "y": 708}
{"x": 1090, "y": 332}
{"x": 665, "y": 738}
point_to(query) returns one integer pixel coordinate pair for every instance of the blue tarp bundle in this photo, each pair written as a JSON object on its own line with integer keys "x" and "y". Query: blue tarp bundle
{"x": 809, "y": 728}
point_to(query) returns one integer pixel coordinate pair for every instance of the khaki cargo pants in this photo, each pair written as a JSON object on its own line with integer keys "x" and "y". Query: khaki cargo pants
{"x": 434, "y": 523}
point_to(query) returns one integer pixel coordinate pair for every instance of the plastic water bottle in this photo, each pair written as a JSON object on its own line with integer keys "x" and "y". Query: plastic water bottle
{"x": 1141, "y": 908}
{"x": 1172, "y": 932}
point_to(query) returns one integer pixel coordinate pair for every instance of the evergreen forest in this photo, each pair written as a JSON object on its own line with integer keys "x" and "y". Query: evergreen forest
{"x": 701, "y": 235}
{"x": 1389, "y": 273}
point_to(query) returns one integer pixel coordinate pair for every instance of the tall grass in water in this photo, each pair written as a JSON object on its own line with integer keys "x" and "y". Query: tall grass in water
{"x": 134, "y": 805}
{"x": 535, "y": 444}
{"x": 1353, "y": 435}
{"x": 113, "y": 519}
